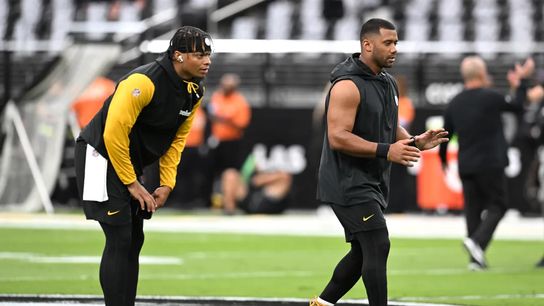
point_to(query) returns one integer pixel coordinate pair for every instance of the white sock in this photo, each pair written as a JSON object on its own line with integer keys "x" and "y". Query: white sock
{"x": 323, "y": 302}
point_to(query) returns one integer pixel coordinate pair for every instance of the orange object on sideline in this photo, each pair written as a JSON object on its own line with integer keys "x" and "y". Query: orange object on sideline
{"x": 91, "y": 100}
{"x": 196, "y": 134}
{"x": 234, "y": 108}
{"x": 437, "y": 190}
{"x": 406, "y": 111}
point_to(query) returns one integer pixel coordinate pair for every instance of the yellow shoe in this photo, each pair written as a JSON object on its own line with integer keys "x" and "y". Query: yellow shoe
{"x": 314, "y": 302}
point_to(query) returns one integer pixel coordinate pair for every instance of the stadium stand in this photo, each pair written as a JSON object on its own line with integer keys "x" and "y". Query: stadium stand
{"x": 503, "y": 31}
{"x": 417, "y": 20}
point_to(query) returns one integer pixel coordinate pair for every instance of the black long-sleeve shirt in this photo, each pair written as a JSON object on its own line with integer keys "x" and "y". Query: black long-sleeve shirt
{"x": 475, "y": 116}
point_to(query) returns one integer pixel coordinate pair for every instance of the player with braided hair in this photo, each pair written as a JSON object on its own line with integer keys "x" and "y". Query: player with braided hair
{"x": 145, "y": 120}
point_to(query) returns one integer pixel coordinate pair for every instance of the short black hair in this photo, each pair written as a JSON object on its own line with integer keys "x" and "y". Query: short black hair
{"x": 373, "y": 26}
{"x": 190, "y": 39}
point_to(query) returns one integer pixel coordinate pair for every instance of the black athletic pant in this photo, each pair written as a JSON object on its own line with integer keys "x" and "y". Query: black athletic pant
{"x": 367, "y": 258}
{"x": 484, "y": 192}
{"x": 119, "y": 266}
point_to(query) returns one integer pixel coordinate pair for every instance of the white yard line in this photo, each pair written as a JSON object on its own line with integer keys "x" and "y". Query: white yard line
{"x": 253, "y": 274}
{"x": 72, "y": 300}
{"x": 64, "y": 300}
{"x": 322, "y": 224}
{"x": 173, "y": 276}
{"x": 69, "y": 259}
{"x": 474, "y": 297}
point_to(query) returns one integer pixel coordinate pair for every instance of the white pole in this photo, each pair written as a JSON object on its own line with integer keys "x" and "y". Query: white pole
{"x": 13, "y": 114}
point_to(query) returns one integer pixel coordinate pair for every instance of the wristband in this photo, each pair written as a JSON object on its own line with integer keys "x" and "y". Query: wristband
{"x": 382, "y": 150}
{"x": 413, "y": 143}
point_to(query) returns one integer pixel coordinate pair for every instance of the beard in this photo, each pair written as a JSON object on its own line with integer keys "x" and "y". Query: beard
{"x": 387, "y": 62}
{"x": 382, "y": 61}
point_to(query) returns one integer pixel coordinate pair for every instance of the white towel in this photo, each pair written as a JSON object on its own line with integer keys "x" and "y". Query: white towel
{"x": 96, "y": 170}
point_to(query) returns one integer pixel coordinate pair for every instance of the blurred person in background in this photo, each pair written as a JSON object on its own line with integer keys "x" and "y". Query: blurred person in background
{"x": 406, "y": 107}
{"x": 147, "y": 119}
{"x": 12, "y": 13}
{"x": 535, "y": 96}
{"x": 91, "y": 100}
{"x": 257, "y": 191}
{"x": 475, "y": 116}
{"x": 362, "y": 138}
{"x": 229, "y": 114}
{"x": 401, "y": 180}
{"x": 332, "y": 11}
{"x": 528, "y": 141}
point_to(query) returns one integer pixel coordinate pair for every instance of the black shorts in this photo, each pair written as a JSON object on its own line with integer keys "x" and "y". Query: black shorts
{"x": 226, "y": 155}
{"x": 119, "y": 207}
{"x": 358, "y": 218}
{"x": 256, "y": 202}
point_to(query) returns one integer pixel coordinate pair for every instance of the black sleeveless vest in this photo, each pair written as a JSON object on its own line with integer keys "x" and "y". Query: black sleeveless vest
{"x": 158, "y": 122}
{"x": 347, "y": 180}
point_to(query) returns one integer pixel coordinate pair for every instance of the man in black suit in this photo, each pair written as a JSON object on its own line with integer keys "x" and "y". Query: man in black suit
{"x": 475, "y": 116}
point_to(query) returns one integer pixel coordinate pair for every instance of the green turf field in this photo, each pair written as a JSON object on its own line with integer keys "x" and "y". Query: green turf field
{"x": 189, "y": 264}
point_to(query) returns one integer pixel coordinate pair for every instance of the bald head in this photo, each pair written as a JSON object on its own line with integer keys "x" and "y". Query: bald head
{"x": 473, "y": 68}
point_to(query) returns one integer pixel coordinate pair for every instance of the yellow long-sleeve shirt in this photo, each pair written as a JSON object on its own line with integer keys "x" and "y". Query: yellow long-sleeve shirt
{"x": 147, "y": 118}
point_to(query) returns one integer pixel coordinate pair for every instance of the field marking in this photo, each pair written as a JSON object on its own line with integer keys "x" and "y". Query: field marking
{"x": 173, "y": 276}
{"x": 255, "y": 274}
{"x": 41, "y": 258}
{"x": 164, "y": 260}
{"x": 512, "y": 226}
{"x": 473, "y": 297}
{"x": 81, "y": 277}
{"x": 458, "y": 271}
{"x": 66, "y": 300}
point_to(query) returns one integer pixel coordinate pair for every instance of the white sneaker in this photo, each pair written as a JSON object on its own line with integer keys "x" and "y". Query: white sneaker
{"x": 475, "y": 251}
{"x": 315, "y": 302}
{"x": 475, "y": 267}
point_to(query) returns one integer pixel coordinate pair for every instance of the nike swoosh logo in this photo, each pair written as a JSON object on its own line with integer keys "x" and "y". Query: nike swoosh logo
{"x": 111, "y": 213}
{"x": 366, "y": 218}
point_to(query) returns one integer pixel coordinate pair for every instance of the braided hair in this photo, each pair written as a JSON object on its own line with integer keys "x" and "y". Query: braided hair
{"x": 189, "y": 39}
